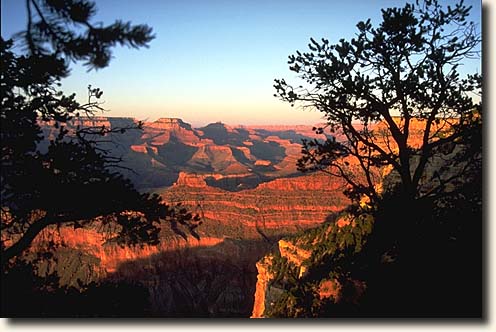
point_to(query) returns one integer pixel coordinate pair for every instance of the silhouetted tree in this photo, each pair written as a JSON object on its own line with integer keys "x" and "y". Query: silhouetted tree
{"x": 423, "y": 237}
{"x": 382, "y": 85}
{"x": 75, "y": 180}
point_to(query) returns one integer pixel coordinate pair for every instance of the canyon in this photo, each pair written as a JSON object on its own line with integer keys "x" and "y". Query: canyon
{"x": 262, "y": 221}
{"x": 242, "y": 182}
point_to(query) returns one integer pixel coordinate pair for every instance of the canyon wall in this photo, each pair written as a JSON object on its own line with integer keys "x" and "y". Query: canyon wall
{"x": 273, "y": 208}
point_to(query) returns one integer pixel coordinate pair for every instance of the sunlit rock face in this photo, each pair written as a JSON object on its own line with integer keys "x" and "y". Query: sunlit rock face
{"x": 294, "y": 257}
{"x": 243, "y": 183}
{"x": 273, "y": 208}
{"x": 190, "y": 180}
{"x": 94, "y": 241}
{"x": 168, "y": 146}
{"x": 163, "y": 130}
{"x": 267, "y": 292}
{"x": 262, "y": 290}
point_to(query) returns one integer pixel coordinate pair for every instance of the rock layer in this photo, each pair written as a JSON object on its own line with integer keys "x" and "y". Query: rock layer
{"x": 273, "y": 208}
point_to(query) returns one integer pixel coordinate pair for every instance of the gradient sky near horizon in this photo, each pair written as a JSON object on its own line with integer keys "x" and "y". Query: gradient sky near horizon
{"x": 214, "y": 60}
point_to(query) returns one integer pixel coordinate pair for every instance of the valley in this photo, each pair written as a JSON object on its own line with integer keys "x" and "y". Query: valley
{"x": 242, "y": 182}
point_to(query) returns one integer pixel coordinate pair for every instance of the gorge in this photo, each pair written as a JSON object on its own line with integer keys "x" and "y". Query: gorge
{"x": 242, "y": 182}
{"x": 268, "y": 233}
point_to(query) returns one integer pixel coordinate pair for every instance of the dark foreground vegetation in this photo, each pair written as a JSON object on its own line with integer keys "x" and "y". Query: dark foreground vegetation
{"x": 415, "y": 247}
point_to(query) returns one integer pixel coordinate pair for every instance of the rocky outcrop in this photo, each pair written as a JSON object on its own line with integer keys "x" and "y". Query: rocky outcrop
{"x": 161, "y": 131}
{"x": 96, "y": 123}
{"x": 207, "y": 281}
{"x": 190, "y": 180}
{"x": 264, "y": 201}
{"x": 258, "y": 197}
{"x": 262, "y": 162}
{"x": 267, "y": 291}
{"x": 309, "y": 256}
{"x": 311, "y": 182}
{"x": 296, "y": 255}
{"x": 263, "y": 289}
{"x": 145, "y": 149}
{"x": 216, "y": 158}
{"x": 168, "y": 124}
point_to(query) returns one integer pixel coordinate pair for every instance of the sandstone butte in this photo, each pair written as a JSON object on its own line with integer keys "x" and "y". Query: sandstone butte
{"x": 160, "y": 131}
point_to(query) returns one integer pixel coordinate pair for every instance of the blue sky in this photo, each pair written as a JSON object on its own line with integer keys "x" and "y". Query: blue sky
{"x": 213, "y": 60}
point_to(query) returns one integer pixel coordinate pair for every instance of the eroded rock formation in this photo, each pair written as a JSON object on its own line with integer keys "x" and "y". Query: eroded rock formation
{"x": 274, "y": 208}
{"x": 293, "y": 258}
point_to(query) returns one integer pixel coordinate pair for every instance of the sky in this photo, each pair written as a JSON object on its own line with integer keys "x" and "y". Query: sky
{"x": 213, "y": 60}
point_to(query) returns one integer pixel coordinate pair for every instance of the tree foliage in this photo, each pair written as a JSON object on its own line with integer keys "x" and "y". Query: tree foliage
{"x": 75, "y": 179}
{"x": 393, "y": 99}
{"x": 381, "y": 86}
